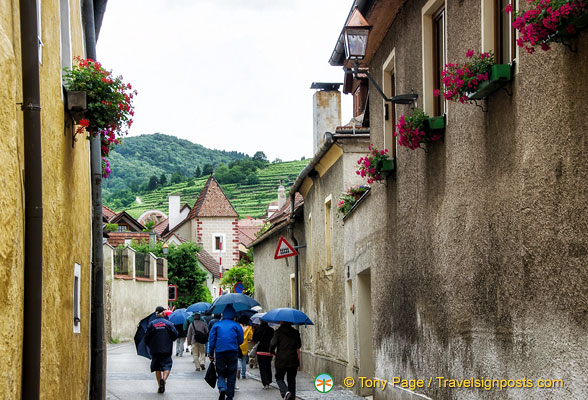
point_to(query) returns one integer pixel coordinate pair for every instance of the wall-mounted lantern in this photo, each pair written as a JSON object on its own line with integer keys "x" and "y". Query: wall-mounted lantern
{"x": 76, "y": 105}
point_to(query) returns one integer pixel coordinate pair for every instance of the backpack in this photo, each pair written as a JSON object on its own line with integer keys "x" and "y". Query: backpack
{"x": 199, "y": 335}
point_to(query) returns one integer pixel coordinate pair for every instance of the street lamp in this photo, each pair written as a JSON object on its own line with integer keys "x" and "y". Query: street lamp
{"x": 356, "y": 34}
{"x": 165, "y": 249}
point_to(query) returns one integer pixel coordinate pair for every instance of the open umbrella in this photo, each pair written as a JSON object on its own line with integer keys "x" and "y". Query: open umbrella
{"x": 179, "y": 316}
{"x": 140, "y": 345}
{"x": 198, "y": 307}
{"x": 239, "y": 301}
{"x": 256, "y": 318}
{"x": 292, "y": 315}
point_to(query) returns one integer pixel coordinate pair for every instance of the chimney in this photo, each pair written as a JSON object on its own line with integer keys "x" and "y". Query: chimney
{"x": 326, "y": 111}
{"x": 281, "y": 195}
{"x": 174, "y": 210}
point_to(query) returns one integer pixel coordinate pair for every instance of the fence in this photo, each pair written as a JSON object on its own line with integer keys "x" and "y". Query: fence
{"x": 142, "y": 265}
{"x": 160, "y": 268}
{"x": 121, "y": 262}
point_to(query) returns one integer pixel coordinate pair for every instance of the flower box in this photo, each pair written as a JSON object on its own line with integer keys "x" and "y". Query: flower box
{"x": 387, "y": 166}
{"x": 435, "y": 123}
{"x": 500, "y": 75}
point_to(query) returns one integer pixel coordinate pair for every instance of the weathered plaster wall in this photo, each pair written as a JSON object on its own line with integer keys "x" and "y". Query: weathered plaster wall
{"x": 205, "y": 227}
{"x": 134, "y": 299}
{"x": 11, "y": 202}
{"x": 485, "y": 273}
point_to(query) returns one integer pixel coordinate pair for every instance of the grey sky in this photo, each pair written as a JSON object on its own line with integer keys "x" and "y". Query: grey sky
{"x": 227, "y": 74}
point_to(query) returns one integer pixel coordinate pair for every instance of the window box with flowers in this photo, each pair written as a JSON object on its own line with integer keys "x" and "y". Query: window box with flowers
{"x": 375, "y": 166}
{"x": 417, "y": 128}
{"x": 350, "y": 198}
{"x": 109, "y": 104}
{"x": 549, "y": 21}
{"x": 476, "y": 79}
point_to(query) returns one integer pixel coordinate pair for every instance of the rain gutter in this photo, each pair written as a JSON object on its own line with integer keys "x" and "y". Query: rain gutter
{"x": 93, "y": 12}
{"x": 33, "y": 187}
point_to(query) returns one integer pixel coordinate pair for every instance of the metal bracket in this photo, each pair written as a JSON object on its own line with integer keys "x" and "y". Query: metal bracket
{"x": 481, "y": 107}
{"x": 302, "y": 246}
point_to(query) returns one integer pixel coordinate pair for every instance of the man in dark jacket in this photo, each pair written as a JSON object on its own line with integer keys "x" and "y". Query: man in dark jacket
{"x": 160, "y": 337}
{"x": 286, "y": 346}
{"x": 263, "y": 336}
{"x": 224, "y": 339}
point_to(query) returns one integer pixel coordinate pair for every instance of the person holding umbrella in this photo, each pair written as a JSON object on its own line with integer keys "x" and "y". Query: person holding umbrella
{"x": 263, "y": 336}
{"x": 224, "y": 340}
{"x": 197, "y": 338}
{"x": 160, "y": 337}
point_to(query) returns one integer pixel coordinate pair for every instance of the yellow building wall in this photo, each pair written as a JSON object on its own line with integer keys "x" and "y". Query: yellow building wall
{"x": 67, "y": 214}
{"x": 11, "y": 204}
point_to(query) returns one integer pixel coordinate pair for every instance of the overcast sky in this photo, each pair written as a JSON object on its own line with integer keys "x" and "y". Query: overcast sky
{"x": 227, "y": 74}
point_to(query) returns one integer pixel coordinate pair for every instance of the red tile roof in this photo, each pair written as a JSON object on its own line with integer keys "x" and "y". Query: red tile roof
{"x": 107, "y": 212}
{"x": 209, "y": 263}
{"x": 117, "y": 238}
{"x": 212, "y": 202}
{"x": 161, "y": 227}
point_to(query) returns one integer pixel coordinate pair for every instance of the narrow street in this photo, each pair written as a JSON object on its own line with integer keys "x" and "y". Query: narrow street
{"x": 128, "y": 378}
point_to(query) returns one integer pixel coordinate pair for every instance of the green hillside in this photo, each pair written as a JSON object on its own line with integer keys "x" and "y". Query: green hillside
{"x": 248, "y": 199}
{"x": 140, "y": 157}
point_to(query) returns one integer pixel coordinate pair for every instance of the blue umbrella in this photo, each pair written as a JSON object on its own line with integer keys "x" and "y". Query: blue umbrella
{"x": 140, "y": 345}
{"x": 179, "y": 316}
{"x": 296, "y": 317}
{"x": 198, "y": 307}
{"x": 239, "y": 301}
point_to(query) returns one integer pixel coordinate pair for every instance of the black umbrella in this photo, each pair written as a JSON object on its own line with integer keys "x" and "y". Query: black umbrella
{"x": 142, "y": 348}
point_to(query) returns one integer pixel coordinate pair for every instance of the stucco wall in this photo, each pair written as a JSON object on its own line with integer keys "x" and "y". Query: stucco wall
{"x": 66, "y": 214}
{"x": 484, "y": 272}
{"x": 11, "y": 203}
{"x": 206, "y": 227}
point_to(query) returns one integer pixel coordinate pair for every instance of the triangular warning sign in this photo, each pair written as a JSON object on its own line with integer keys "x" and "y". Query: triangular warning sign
{"x": 284, "y": 249}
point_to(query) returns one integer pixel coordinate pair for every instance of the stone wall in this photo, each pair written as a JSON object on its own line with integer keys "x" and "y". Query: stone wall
{"x": 483, "y": 271}
{"x": 203, "y": 229}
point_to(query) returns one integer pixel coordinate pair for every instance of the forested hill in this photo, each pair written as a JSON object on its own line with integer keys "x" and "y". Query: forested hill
{"x": 140, "y": 157}
{"x": 147, "y": 169}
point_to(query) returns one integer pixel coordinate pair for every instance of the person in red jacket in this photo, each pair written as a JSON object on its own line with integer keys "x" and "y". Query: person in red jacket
{"x": 160, "y": 337}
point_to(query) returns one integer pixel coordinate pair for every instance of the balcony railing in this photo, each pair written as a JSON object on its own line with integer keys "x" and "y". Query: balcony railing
{"x": 160, "y": 268}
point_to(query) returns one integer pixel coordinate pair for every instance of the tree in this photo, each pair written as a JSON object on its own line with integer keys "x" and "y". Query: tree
{"x": 149, "y": 225}
{"x": 198, "y": 172}
{"x": 153, "y": 183}
{"x": 176, "y": 178}
{"x": 185, "y": 272}
{"x": 162, "y": 179}
{"x": 207, "y": 169}
{"x": 260, "y": 156}
{"x": 277, "y": 161}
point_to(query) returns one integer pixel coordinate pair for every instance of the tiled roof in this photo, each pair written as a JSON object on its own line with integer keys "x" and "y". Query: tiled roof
{"x": 245, "y": 239}
{"x": 161, "y": 227}
{"x": 107, "y": 212}
{"x": 123, "y": 216}
{"x": 279, "y": 218}
{"x": 212, "y": 202}
{"x": 209, "y": 263}
{"x": 117, "y": 238}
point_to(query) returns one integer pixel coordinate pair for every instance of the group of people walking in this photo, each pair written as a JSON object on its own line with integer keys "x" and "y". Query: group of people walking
{"x": 226, "y": 343}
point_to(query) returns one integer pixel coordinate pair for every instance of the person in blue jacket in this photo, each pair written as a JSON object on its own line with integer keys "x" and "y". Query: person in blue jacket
{"x": 160, "y": 337}
{"x": 224, "y": 339}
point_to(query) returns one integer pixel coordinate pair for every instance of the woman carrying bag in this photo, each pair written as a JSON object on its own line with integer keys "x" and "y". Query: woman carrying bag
{"x": 262, "y": 337}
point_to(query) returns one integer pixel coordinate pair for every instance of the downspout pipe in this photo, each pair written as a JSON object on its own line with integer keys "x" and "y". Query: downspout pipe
{"x": 33, "y": 186}
{"x": 97, "y": 343}
{"x": 295, "y": 242}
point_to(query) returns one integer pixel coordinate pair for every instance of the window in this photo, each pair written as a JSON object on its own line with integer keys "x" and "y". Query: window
{"x": 122, "y": 228}
{"x": 434, "y": 15}
{"x": 360, "y": 95}
{"x": 66, "y": 57}
{"x": 309, "y": 236}
{"x": 218, "y": 242}
{"x": 438, "y": 59}
{"x": 76, "y": 298}
{"x": 505, "y": 46}
{"x": 292, "y": 291}
{"x": 389, "y": 86}
{"x": 328, "y": 228}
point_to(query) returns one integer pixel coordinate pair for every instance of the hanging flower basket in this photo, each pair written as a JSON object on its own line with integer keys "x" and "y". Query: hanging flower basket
{"x": 547, "y": 22}
{"x": 109, "y": 110}
{"x": 500, "y": 75}
{"x": 350, "y": 197}
{"x": 418, "y": 128}
{"x": 375, "y": 166}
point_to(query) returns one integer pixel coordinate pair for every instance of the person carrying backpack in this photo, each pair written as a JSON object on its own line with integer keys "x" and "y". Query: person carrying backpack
{"x": 197, "y": 338}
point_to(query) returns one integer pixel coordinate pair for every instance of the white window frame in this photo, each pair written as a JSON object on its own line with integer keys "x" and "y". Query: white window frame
{"x": 77, "y": 294}
{"x": 389, "y": 69}
{"x": 224, "y": 242}
{"x": 428, "y": 11}
{"x": 65, "y": 33}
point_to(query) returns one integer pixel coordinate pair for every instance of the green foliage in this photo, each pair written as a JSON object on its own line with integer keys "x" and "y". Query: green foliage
{"x": 198, "y": 172}
{"x": 111, "y": 227}
{"x": 184, "y": 271}
{"x": 176, "y": 178}
{"x": 162, "y": 179}
{"x": 207, "y": 169}
{"x": 114, "y": 340}
{"x": 153, "y": 183}
{"x": 242, "y": 272}
{"x": 149, "y": 225}
{"x": 260, "y": 155}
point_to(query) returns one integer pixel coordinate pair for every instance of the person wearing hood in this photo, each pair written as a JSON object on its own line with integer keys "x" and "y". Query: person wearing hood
{"x": 224, "y": 340}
